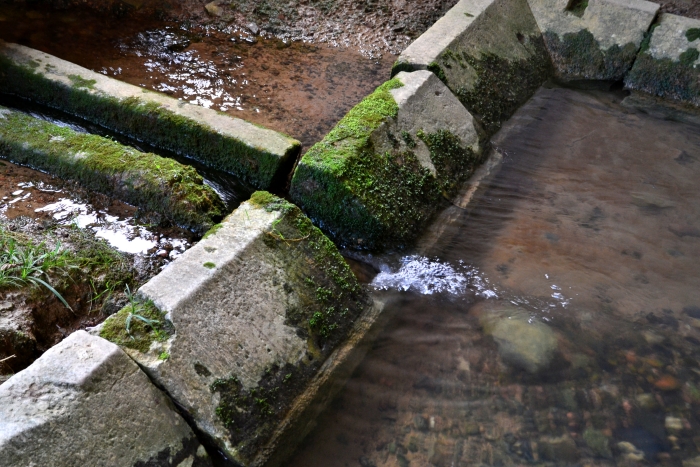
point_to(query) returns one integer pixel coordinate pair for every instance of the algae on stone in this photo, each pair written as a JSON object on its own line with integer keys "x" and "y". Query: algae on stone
{"x": 669, "y": 64}
{"x": 378, "y": 176}
{"x": 596, "y": 40}
{"x": 146, "y": 180}
{"x": 490, "y": 54}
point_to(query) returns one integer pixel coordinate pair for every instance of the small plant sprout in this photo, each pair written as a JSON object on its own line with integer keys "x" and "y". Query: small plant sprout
{"x": 134, "y": 313}
{"x": 22, "y": 265}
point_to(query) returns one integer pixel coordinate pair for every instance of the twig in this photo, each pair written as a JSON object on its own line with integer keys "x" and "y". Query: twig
{"x": 7, "y": 358}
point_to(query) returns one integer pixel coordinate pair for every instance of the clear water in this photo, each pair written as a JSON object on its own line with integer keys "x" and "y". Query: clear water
{"x": 553, "y": 321}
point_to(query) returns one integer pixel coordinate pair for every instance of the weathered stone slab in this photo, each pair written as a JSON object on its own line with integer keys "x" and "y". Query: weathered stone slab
{"x": 253, "y": 153}
{"x": 262, "y": 314}
{"x": 490, "y": 53}
{"x": 146, "y": 180}
{"x": 593, "y": 39}
{"x": 668, "y": 64}
{"x": 379, "y": 175}
{"x": 85, "y": 402}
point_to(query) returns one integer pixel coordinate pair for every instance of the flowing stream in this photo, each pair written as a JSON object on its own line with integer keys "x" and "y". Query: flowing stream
{"x": 555, "y": 320}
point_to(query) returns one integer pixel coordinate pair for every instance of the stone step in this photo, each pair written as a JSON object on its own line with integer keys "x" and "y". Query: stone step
{"x": 85, "y": 402}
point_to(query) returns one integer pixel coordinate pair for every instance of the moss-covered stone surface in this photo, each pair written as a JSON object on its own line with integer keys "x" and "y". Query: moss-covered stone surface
{"x": 501, "y": 85}
{"x": 327, "y": 301}
{"x": 138, "y": 114}
{"x": 668, "y": 64}
{"x": 238, "y": 327}
{"x": 369, "y": 197}
{"x": 146, "y": 180}
{"x": 579, "y": 56}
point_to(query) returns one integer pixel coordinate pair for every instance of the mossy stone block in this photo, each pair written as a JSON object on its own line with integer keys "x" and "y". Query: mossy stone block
{"x": 593, "y": 39}
{"x": 253, "y": 153}
{"x": 249, "y": 328}
{"x": 490, "y": 53}
{"x": 669, "y": 64}
{"x": 145, "y": 180}
{"x": 375, "y": 180}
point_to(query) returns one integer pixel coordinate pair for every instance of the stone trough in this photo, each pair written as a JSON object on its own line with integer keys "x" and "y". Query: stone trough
{"x": 245, "y": 338}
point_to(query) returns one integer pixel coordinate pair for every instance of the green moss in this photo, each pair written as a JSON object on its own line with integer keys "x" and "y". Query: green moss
{"x": 579, "y": 56}
{"x": 665, "y": 78}
{"x": 146, "y": 180}
{"x": 140, "y": 334}
{"x": 438, "y": 71}
{"x": 408, "y": 139}
{"x": 148, "y": 122}
{"x": 163, "y": 356}
{"x": 646, "y": 41}
{"x": 400, "y": 66}
{"x": 80, "y": 82}
{"x": 692, "y": 34}
{"x": 359, "y": 197}
{"x": 503, "y": 85}
{"x": 212, "y": 231}
{"x": 689, "y": 57}
{"x": 209, "y": 265}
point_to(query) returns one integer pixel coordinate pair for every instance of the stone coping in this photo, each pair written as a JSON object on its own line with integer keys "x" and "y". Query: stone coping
{"x": 251, "y": 152}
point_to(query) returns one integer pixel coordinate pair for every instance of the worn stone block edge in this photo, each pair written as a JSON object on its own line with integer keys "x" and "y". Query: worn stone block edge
{"x": 149, "y": 118}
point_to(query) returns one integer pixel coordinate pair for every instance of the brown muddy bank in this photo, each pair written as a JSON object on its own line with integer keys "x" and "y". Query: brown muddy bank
{"x": 86, "y": 246}
{"x": 298, "y": 88}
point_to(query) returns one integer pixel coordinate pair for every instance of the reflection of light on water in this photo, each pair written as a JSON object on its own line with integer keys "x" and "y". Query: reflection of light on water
{"x": 427, "y": 276}
{"x": 120, "y": 234}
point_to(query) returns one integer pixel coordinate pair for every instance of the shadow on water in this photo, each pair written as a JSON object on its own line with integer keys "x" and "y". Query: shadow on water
{"x": 553, "y": 322}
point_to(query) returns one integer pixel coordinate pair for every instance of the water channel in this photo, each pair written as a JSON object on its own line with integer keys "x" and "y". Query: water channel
{"x": 555, "y": 319}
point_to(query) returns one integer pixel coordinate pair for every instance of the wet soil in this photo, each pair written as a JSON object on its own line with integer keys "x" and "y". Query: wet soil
{"x": 111, "y": 247}
{"x": 589, "y": 229}
{"x": 298, "y": 88}
{"x": 689, "y": 8}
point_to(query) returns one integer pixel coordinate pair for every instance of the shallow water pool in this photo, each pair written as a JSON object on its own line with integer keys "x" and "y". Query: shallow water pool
{"x": 553, "y": 321}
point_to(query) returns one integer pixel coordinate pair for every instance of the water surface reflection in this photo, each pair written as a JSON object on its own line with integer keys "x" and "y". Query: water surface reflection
{"x": 557, "y": 319}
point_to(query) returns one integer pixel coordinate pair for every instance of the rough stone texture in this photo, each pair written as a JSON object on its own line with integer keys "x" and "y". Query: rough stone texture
{"x": 85, "y": 402}
{"x": 262, "y": 316}
{"x": 379, "y": 175}
{"x": 668, "y": 65}
{"x": 153, "y": 183}
{"x": 490, "y": 53}
{"x": 253, "y": 153}
{"x": 599, "y": 42}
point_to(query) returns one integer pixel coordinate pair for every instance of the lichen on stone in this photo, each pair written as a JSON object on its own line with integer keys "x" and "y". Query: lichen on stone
{"x": 325, "y": 300}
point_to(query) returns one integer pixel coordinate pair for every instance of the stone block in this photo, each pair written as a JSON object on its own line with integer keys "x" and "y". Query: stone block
{"x": 593, "y": 39}
{"x": 378, "y": 176}
{"x": 253, "y": 153}
{"x": 490, "y": 53}
{"x": 668, "y": 64}
{"x": 249, "y": 330}
{"x": 85, "y": 402}
{"x": 153, "y": 183}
